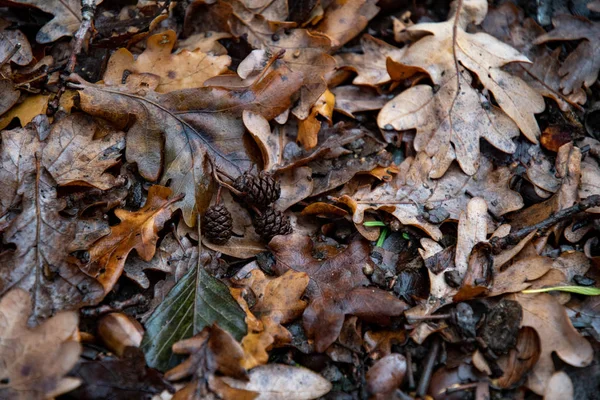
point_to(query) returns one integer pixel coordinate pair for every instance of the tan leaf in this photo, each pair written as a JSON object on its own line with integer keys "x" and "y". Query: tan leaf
{"x": 137, "y": 230}
{"x": 34, "y": 362}
{"x": 370, "y": 66}
{"x": 9, "y": 39}
{"x": 278, "y": 381}
{"x": 549, "y": 318}
{"x": 308, "y": 129}
{"x": 472, "y": 229}
{"x": 26, "y": 111}
{"x": 451, "y": 118}
{"x": 351, "y": 99}
{"x": 72, "y": 155}
{"x": 183, "y": 70}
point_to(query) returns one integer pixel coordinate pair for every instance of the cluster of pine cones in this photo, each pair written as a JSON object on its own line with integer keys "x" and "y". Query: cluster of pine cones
{"x": 258, "y": 192}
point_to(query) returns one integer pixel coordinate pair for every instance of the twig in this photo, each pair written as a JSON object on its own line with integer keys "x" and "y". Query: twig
{"x": 428, "y": 317}
{"x": 409, "y": 370}
{"x": 428, "y": 369}
{"x": 88, "y": 9}
{"x": 115, "y": 306}
{"x": 501, "y": 243}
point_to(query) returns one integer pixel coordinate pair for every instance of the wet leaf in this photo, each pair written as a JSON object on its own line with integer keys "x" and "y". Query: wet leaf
{"x": 34, "y": 362}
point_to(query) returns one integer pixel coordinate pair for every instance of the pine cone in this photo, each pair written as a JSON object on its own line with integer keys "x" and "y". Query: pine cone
{"x": 258, "y": 190}
{"x": 217, "y": 224}
{"x": 272, "y": 223}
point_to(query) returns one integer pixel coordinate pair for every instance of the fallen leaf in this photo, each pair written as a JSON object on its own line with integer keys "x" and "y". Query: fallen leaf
{"x": 73, "y": 155}
{"x": 34, "y": 362}
{"x": 559, "y": 387}
{"x": 211, "y": 350}
{"x": 278, "y": 381}
{"x": 519, "y": 360}
{"x": 67, "y": 18}
{"x": 10, "y": 38}
{"x": 308, "y": 129}
{"x": 40, "y": 263}
{"x": 194, "y": 303}
{"x": 343, "y": 20}
{"x": 10, "y": 95}
{"x": 370, "y": 66}
{"x": 207, "y": 121}
{"x": 452, "y": 117}
{"x": 581, "y": 67}
{"x": 117, "y": 378}
{"x": 336, "y": 288}
{"x": 183, "y": 70}
{"x": 386, "y": 374}
{"x": 549, "y": 318}
{"x": 137, "y": 230}
{"x": 26, "y": 111}
{"x": 416, "y": 199}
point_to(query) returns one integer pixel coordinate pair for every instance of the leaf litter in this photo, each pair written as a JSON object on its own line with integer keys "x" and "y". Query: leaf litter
{"x": 401, "y": 199}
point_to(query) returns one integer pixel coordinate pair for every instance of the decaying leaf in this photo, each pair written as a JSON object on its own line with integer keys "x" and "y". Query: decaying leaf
{"x": 278, "y": 381}
{"x": 581, "y": 67}
{"x": 343, "y": 20}
{"x": 544, "y": 314}
{"x": 416, "y": 199}
{"x": 67, "y": 18}
{"x": 451, "y": 117}
{"x": 34, "y": 362}
{"x": 278, "y": 302}
{"x": 137, "y": 230}
{"x": 182, "y": 70}
{"x": 336, "y": 288}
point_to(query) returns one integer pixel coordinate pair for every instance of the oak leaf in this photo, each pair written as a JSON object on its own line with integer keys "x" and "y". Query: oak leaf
{"x": 451, "y": 117}
{"x": 67, "y": 18}
{"x": 40, "y": 263}
{"x": 370, "y": 66}
{"x": 548, "y": 317}
{"x": 195, "y": 123}
{"x": 183, "y": 70}
{"x": 582, "y": 66}
{"x": 34, "y": 362}
{"x": 416, "y": 199}
{"x": 26, "y": 111}
{"x": 137, "y": 230}
{"x": 337, "y": 287}
{"x": 278, "y": 302}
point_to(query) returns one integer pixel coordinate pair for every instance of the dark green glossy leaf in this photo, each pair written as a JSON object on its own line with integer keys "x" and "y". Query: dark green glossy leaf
{"x": 196, "y": 301}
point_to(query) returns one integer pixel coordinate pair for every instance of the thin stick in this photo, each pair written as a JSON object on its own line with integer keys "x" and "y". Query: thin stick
{"x": 88, "y": 9}
{"x": 428, "y": 317}
{"x": 428, "y": 369}
{"x": 501, "y": 243}
{"x": 115, "y": 306}
{"x": 409, "y": 370}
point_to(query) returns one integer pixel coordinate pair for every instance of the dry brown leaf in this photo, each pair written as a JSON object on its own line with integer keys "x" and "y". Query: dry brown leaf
{"x": 351, "y": 99}
{"x": 73, "y": 155}
{"x": 472, "y": 229}
{"x": 520, "y": 274}
{"x": 34, "y": 362}
{"x": 343, "y": 20}
{"x": 67, "y": 18}
{"x": 559, "y": 387}
{"x": 519, "y": 360}
{"x": 308, "y": 129}
{"x": 548, "y": 317}
{"x": 8, "y": 40}
{"x": 279, "y": 381}
{"x": 278, "y": 303}
{"x": 581, "y": 67}
{"x": 40, "y": 263}
{"x": 416, "y": 199}
{"x": 452, "y": 117}
{"x": 196, "y": 124}
{"x": 183, "y": 70}
{"x": 386, "y": 374}
{"x": 370, "y": 66}
{"x": 137, "y": 230}
{"x": 508, "y": 23}
{"x": 336, "y": 287}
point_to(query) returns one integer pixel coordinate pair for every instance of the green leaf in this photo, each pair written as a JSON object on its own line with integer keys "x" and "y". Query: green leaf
{"x": 585, "y": 290}
{"x": 373, "y": 223}
{"x": 196, "y": 301}
{"x": 382, "y": 237}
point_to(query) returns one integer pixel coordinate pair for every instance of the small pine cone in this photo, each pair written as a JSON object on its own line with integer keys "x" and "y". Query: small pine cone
{"x": 272, "y": 223}
{"x": 217, "y": 224}
{"x": 258, "y": 190}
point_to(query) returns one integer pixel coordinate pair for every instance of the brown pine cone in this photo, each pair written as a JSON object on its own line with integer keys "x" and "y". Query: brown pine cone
{"x": 272, "y": 223}
{"x": 217, "y": 224}
{"x": 258, "y": 190}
